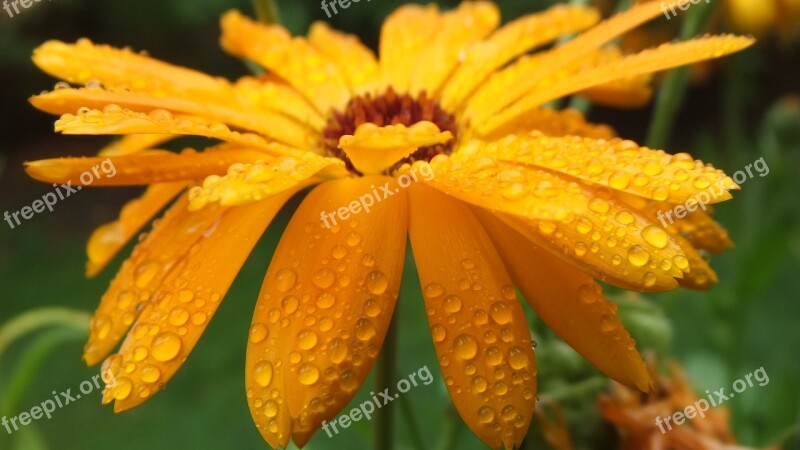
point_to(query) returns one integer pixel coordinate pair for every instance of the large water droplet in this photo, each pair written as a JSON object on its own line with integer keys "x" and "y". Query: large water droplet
{"x": 308, "y": 374}
{"x": 166, "y": 347}
{"x": 365, "y": 330}
{"x": 655, "y": 236}
{"x": 306, "y": 339}
{"x": 262, "y": 373}
{"x": 150, "y": 374}
{"x": 465, "y": 346}
{"x": 258, "y": 332}
{"x": 452, "y": 304}
{"x": 325, "y": 300}
{"x": 638, "y": 256}
{"x": 438, "y": 333}
{"x": 500, "y": 313}
{"x": 433, "y": 290}
{"x": 517, "y": 358}
{"x": 285, "y": 279}
{"x": 485, "y": 414}
{"x": 377, "y": 282}
{"x": 323, "y": 278}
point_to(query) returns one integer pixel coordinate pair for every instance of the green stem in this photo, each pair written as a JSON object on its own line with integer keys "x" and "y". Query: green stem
{"x": 384, "y": 378}
{"x": 267, "y": 11}
{"x": 33, "y": 320}
{"x": 413, "y": 430}
{"x": 673, "y": 88}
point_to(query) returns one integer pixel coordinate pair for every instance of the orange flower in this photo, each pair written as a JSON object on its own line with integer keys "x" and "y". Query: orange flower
{"x": 531, "y": 198}
{"x": 635, "y": 417}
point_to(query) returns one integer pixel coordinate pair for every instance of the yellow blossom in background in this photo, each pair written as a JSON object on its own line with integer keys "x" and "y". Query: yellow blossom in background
{"x": 761, "y": 17}
{"x": 521, "y": 196}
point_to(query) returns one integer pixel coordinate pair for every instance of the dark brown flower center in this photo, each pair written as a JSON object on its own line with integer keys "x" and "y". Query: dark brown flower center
{"x": 389, "y": 108}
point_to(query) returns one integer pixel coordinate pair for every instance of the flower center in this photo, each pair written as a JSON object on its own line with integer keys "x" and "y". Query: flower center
{"x": 389, "y": 108}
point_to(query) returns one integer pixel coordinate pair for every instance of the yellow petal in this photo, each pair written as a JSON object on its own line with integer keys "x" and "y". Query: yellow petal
{"x": 526, "y": 74}
{"x": 142, "y": 273}
{"x": 118, "y": 121}
{"x": 479, "y": 330}
{"x": 356, "y": 62}
{"x": 404, "y": 34}
{"x": 617, "y": 164}
{"x": 268, "y": 123}
{"x": 134, "y": 143}
{"x": 559, "y": 122}
{"x": 510, "y": 41}
{"x": 570, "y": 303}
{"x": 633, "y": 92}
{"x": 649, "y": 61}
{"x": 152, "y": 166}
{"x": 696, "y": 226}
{"x": 293, "y": 59}
{"x": 107, "y": 240}
{"x": 84, "y": 61}
{"x": 458, "y": 29}
{"x": 372, "y": 149}
{"x": 184, "y": 303}
{"x": 324, "y": 308}
{"x": 272, "y": 93}
{"x": 246, "y": 183}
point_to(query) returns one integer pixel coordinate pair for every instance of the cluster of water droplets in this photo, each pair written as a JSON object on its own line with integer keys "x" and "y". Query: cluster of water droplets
{"x": 484, "y": 353}
{"x": 323, "y": 332}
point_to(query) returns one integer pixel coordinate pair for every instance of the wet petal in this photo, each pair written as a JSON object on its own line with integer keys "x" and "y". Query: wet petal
{"x": 179, "y": 311}
{"x": 108, "y": 239}
{"x": 570, "y": 303}
{"x": 479, "y": 330}
{"x": 372, "y": 149}
{"x": 324, "y": 308}
{"x": 404, "y": 34}
{"x": 84, "y": 61}
{"x": 152, "y": 166}
{"x": 267, "y": 123}
{"x": 246, "y": 183}
{"x": 524, "y": 75}
{"x": 355, "y": 61}
{"x": 134, "y": 143}
{"x": 271, "y": 92}
{"x": 664, "y": 57}
{"x": 560, "y": 122}
{"x": 510, "y": 41}
{"x": 458, "y": 29}
{"x": 293, "y": 59}
{"x": 617, "y": 164}
{"x": 142, "y": 273}
{"x": 118, "y": 121}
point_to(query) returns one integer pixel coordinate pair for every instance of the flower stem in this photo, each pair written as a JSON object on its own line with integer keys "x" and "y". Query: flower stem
{"x": 267, "y": 11}
{"x": 673, "y": 88}
{"x": 30, "y": 321}
{"x": 384, "y": 376}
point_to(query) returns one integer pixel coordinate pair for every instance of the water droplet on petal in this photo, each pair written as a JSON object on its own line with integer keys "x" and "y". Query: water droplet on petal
{"x": 166, "y": 346}
{"x": 262, "y": 373}
{"x": 465, "y": 346}
{"x": 638, "y": 256}
{"x": 258, "y": 332}
{"x": 377, "y": 282}
{"x": 655, "y": 236}
{"x": 308, "y": 374}
{"x": 306, "y": 339}
{"x": 285, "y": 279}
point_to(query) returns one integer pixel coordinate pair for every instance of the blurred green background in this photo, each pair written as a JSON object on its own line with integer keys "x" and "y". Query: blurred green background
{"x": 746, "y": 108}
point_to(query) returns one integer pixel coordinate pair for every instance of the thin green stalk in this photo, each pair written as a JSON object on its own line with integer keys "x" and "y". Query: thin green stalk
{"x": 590, "y": 386}
{"x": 33, "y": 320}
{"x": 384, "y": 378}
{"x": 673, "y": 88}
{"x": 267, "y": 11}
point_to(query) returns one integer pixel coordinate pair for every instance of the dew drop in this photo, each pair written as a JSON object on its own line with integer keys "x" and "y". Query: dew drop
{"x": 338, "y": 350}
{"x": 438, "y": 333}
{"x": 258, "y": 332}
{"x": 308, "y": 374}
{"x": 433, "y": 290}
{"x": 325, "y": 300}
{"x": 517, "y": 358}
{"x": 285, "y": 279}
{"x": 377, "y": 282}
{"x": 323, "y": 278}
{"x": 655, "y": 236}
{"x": 452, "y": 304}
{"x": 271, "y": 408}
{"x": 485, "y": 414}
{"x": 290, "y": 304}
{"x": 262, "y": 373}
{"x": 365, "y": 330}
{"x": 638, "y": 256}
{"x": 500, "y": 313}
{"x": 306, "y": 339}
{"x": 150, "y": 374}
{"x": 465, "y": 346}
{"x": 166, "y": 347}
